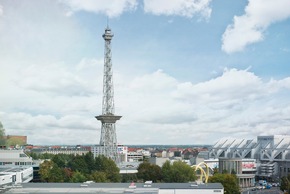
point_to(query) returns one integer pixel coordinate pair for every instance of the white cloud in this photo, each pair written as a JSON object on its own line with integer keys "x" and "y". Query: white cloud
{"x": 47, "y": 129}
{"x": 51, "y": 88}
{"x": 55, "y": 79}
{"x": 187, "y": 8}
{"x": 249, "y": 28}
{"x": 29, "y": 34}
{"x": 237, "y": 103}
{"x": 1, "y": 10}
{"x": 232, "y": 85}
{"x": 111, "y": 8}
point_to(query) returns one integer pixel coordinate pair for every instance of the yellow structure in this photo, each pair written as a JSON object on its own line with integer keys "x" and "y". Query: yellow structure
{"x": 203, "y": 173}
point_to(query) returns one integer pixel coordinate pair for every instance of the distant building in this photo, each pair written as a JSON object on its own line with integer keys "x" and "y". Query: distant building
{"x": 75, "y": 150}
{"x": 189, "y": 153}
{"x": 15, "y": 175}
{"x": 158, "y": 161}
{"x": 15, "y": 167}
{"x": 22, "y": 140}
{"x": 135, "y": 156}
{"x": 234, "y": 166}
{"x": 271, "y": 154}
{"x": 122, "y": 152}
{"x": 14, "y": 158}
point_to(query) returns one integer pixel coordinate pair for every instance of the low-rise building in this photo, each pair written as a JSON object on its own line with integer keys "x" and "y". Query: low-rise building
{"x": 14, "y": 158}
{"x": 140, "y": 188}
{"x": 15, "y": 175}
{"x": 75, "y": 150}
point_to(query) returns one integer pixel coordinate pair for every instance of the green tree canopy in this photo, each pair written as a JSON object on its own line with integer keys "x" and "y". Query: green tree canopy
{"x": 229, "y": 181}
{"x": 99, "y": 177}
{"x": 147, "y": 171}
{"x": 90, "y": 161}
{"x": 71, "y": 168}
{"x": 128, "y": 178}
{"x": 182, "y": 172}
{"x": 178, "y": 172}
{"x": 78, "y": 177}
{"x": 108, "y": 166}
{"x": 59, "y": 160}
{"x": 50, "y": 172}
{"x": 2, "y": 135}
{"x": 78, "y": 163}
{"x": 285, "y": 183}
{"x": 166, "y": 172}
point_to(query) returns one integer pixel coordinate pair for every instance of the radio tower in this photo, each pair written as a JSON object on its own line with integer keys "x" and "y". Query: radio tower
{"x": 108, "y": 138}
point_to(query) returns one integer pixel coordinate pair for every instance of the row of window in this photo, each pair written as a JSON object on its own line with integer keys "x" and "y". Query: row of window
{"x": 16, "y": 163}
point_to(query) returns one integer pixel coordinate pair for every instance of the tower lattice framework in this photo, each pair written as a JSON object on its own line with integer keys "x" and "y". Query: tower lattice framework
{"x": 108, "y": 131}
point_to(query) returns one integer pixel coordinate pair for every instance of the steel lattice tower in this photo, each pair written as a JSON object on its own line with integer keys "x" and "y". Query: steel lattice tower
{"x": 108, "y": 132}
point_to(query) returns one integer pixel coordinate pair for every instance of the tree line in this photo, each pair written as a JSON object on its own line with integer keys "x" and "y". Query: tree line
{"x": 79, "y": 168}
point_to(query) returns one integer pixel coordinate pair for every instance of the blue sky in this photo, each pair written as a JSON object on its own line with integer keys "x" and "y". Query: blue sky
{"x": 185, "y": 71}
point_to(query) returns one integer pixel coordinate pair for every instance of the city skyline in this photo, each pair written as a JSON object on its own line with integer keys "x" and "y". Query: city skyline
{"x": 185, "y": 71}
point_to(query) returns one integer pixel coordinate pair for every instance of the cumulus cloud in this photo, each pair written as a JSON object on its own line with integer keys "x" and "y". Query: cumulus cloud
{"x": 111, "y": 8}
{"x": 55, "y": 79}
{"x": 186, "y": 8}
{"x": 236, "y": 103}
{"x": 231, "y": 85}
{"x": 250, "y": 27}
{"x": 47, "y": 129}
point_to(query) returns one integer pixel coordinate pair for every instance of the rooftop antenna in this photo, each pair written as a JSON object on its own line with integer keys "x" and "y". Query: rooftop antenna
{"x": 107, "y": 21}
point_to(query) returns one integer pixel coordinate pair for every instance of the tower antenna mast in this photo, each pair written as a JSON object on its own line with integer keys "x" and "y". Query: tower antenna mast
{"x": 108, "y": 131}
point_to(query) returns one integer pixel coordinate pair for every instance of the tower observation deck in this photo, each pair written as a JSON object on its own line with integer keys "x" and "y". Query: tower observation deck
{"x": 108, "y": 131}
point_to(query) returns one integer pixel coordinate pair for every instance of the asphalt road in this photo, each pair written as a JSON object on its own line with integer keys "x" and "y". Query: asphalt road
{"x": 273, "y": 190}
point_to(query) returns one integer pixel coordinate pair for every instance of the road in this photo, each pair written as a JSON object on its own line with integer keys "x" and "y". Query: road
{"x": 273, "y": 190}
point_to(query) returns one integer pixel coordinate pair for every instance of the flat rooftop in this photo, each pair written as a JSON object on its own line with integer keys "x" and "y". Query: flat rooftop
{"x": 106, "y": 187}
{"x": 12, "y": 169}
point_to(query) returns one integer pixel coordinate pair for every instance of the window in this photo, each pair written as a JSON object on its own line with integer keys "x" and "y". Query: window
{"x": 22, "y": 155}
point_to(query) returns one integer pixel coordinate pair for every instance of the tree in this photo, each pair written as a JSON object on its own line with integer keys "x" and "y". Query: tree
{"x": 59, "y": 160}
{"x": 68, "y": 173}
{"x": 44, "y": 170}
{"x": 166, "y": 172}
{"x": 78, "y": 163}
{"x": 108, "y": 166}
{"x": 50, "y": 172}
{"x": 215, "y": 170}
{"x": 128, "y": 178}
{"x": 229, "y": 181}
{"x": 33, "y": 155}
{"x": 78, "y": 177}
{"x": 147, "y": 171}
{"x": 181, "y": 172}
{"x": 90, "y": 161}
{"x": 56, "y": 174}
{"x": 46, "y": 156}
{"x": 285, "y": 183}
{"x": 178, "y": 172}
{"x": 2, "y": 136}
{"x": 98, "y": 177}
